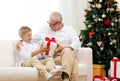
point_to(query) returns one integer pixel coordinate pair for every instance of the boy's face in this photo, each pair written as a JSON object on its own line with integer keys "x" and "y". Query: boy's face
{"x": 27, "y": 37}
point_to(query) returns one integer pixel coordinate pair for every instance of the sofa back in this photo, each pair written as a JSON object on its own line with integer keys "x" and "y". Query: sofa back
{"x": 7, "y": 57}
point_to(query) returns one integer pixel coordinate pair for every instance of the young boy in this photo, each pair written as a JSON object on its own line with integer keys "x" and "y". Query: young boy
{"x": 29, "y": 52}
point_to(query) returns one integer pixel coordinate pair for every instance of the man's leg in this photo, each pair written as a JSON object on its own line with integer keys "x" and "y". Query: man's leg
{"x": 69, "y": 65}
{"x": 74, "y": 74}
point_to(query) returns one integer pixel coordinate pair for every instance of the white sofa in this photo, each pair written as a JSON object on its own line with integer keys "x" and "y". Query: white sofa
{"x": 10, "y": 72}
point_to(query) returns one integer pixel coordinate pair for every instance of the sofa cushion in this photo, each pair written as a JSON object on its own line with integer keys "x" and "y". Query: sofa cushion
{"x": 82, "y": 70}
{"x": 7, "y": 53}
{"x": 18, "y": 74}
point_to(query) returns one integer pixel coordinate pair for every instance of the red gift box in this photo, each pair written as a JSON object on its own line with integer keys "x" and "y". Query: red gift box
{"x": 99, "y": 78}
{"x": 113, "y": 79}
{"x": 51, "y": 43}
{"x": 115, "y": 68}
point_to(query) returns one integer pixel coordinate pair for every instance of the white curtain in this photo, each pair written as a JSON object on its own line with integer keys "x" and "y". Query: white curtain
{"x": 34, "y": 13}
{"x": 73, "y": 13}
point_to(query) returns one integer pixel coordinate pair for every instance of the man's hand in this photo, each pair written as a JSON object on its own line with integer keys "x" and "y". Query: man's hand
{"x": 59, "y": 49}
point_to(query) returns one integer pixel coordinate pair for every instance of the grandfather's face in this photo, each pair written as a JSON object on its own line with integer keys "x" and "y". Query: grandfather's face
{"x": 55, "y": 25}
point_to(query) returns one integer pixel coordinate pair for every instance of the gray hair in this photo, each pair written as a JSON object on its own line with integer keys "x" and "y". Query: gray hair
{"x": 56, "y": 15}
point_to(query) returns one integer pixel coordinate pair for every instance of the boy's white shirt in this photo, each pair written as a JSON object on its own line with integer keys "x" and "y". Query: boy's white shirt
{"x": 26, "y": 49}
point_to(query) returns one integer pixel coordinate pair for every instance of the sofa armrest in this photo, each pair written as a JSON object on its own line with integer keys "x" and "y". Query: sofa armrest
{"x": 84, "y": 57}
{"x": 18, "y": 74}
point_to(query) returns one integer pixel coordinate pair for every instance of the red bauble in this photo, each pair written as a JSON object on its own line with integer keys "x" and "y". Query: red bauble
{"x": 91, "y": 7}
{"x": 86, "y": 13}
{"x": 102, "y": 44}
{"x": 91, "y": 34}
{"x": 104, "y": 35}
{"x": 107, "y": 22}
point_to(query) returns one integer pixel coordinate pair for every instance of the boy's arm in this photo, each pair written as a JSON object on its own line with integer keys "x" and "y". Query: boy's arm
{"x": 40, "y": 50}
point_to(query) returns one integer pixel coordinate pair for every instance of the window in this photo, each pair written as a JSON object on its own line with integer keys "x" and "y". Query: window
{"x": 16, "y": 13}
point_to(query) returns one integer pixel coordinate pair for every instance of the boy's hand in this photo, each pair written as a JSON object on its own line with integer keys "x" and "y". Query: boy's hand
{"x": 18, "y": 44}
{"x": 44, "y": 49}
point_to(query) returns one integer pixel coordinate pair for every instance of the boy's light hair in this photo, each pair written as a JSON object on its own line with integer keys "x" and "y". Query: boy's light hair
{"x": 23, "y": 30}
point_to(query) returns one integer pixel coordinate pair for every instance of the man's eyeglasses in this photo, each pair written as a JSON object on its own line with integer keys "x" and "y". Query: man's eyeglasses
{"x": 53, "y": 24}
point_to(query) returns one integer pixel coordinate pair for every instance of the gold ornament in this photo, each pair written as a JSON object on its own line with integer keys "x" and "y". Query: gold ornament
{"x": 108, "y": 9}
{"x": 103, "y": 16}
{"x": 89, "y": 44}
{"x": 114, "y": 41}
{"x": 89, "y": 26}
{"x": 99, "y": 43}
{"x": 96, "y": 20}
{"x": 109, "y": 33}
{"x": 111, "y": 9}
{"x": 100, "y": 1}
{"x": 98, "y": 5}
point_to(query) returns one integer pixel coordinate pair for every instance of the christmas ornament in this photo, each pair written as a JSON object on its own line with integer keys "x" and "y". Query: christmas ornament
{"x": 114, "y": 41}
{"x": 99, "y": 43}
{"x": 89, "y": 44}
{"x": 89, "y": 26}
{"x": 109, "y": 33}
{"x": 91, "y": 34}
{"x": 96, "y": 20}
{"x": 94, "y": 16}
{"x": 112, "y": 24}
{"x": 86, "y": 13}
{"x": 111, "y": 9}
{"x": 102, "y": 44}
{"x": 107, "y": 22}
{"x": 104, "y": 35}
{"x": 101, "y": 48}
{"x": 107, "y": 10}
{"x": 93, "y": 6}
{"x": 118, "y": 10}
{"x": 100, "y": 19}
{"x": 111, "y": 43}
{"x": 98, "y": 5}
{"x": 103, "y": 16}
{"x": 100, "y": 1}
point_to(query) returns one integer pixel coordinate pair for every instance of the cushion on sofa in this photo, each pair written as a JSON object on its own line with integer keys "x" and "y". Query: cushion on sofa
{"x": 6, "y": 53}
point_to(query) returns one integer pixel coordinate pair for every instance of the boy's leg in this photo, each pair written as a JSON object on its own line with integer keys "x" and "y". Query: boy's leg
{"x": 49, "y": 62}
{"x": 26, "y": 64}
{"x": 41, "y": 67}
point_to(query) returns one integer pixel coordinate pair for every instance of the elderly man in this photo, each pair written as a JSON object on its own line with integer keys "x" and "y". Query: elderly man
{"x": 68, "y": 44}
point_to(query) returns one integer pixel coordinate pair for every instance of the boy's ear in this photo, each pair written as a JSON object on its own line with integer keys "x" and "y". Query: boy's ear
{"x": 21, "y": 36}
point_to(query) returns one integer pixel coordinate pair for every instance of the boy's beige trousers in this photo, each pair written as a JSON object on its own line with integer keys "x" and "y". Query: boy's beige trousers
{"x": 43, "y": 66}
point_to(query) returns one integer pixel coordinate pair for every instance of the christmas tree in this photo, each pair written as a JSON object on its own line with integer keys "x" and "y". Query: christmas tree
{"x": 102, "y": 31}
